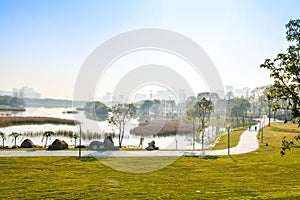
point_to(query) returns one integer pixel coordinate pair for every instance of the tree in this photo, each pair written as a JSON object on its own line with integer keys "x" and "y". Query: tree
{"x": 285, "y": 70}
{"x": 3, "y": 137}
{"x": 121, "y": 114}
{"x": 96, "y": 110}
{"x": 203, "y": 110}
{"x": 15, "y": 135}
{"x": 238, "y": 108}
{"x": 191, "y": 115}
{"x": 75, "y": 138}
{"x": 46, "y": 135}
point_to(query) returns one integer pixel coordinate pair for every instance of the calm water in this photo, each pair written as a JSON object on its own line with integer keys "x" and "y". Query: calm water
{"x": 91, "y": 126}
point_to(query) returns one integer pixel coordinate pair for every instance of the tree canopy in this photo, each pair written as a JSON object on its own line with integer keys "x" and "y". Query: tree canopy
{"x": 285, "y": 70}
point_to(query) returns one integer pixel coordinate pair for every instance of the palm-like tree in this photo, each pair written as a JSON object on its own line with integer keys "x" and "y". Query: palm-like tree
{"x": 46, "y": 135}
{"x": 15, "y": 135}
{"x": 75, "y": 138}
{"x": 2, "y": 135}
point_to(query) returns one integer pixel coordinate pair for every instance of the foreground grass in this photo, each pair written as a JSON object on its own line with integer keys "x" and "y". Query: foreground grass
{"x": 263, "y": 174}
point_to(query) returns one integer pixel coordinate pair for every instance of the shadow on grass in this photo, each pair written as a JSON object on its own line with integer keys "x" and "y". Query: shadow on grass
{"x": 232, "y": 158}
{"x": 283, "y": 130}
{"x": 87, "y": 159}
{"x": 210, "y": 157}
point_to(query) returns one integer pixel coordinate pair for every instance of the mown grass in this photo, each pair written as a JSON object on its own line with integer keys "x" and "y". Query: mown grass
{"x": 262, "y": 174}
{"x": 234, "y": 138}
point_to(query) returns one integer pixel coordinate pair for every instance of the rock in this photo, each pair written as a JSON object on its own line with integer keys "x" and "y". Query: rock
{"x": 151, "y": 146}
{"x": 27, "y": 144}
{"x": 96, "y": 145}
{"x": 58, "y": 145}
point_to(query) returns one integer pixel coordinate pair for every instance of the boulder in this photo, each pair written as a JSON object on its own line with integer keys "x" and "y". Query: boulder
{"x": 96, "y": 145}
{"x": 58, "y": 145}
{"x": 151, "y": 146}
{"x": 27, "y": 144}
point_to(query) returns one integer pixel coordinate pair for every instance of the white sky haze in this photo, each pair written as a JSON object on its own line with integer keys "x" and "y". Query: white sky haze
{"x": 43, "y": 44}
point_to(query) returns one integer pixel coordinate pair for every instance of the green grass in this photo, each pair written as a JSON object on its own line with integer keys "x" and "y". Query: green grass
{"x": 234, "y": 138}
{"x": 263, "y": 174}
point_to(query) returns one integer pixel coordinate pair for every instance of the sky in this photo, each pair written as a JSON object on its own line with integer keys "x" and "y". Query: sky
{"x": 43, "y": 44}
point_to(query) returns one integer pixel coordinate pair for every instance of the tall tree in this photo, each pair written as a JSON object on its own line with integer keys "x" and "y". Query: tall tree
{"x": 203, "y": 110}
{"x": 238, "y": 108}
{"x": 121, "y": 114}
{"x": 285, "y": 70}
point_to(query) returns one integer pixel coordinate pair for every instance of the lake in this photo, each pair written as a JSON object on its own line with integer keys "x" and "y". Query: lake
{"x": 99, "y": 128}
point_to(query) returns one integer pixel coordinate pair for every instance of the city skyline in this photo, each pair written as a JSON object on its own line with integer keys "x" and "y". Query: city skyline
{"x": 45, "y": 43}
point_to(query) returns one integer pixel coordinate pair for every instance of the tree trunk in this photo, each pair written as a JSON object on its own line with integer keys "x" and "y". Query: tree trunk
{"x": 120, "y": 132}
{"x": 46, "y": 142}
{"x": 270, "y": 115}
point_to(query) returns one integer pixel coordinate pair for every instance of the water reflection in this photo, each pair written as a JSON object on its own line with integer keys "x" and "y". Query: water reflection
{"x": 93, "y": 130}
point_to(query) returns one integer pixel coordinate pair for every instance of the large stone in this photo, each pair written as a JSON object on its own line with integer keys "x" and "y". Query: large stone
{"x": 58, "y": 145}
{"x": 27, "y": 144}
{"x": 151, "y": 146}
{"x": 96, "y": 145}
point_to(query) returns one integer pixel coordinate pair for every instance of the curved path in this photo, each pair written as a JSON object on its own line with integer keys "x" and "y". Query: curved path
{"x": 248, "y": 142}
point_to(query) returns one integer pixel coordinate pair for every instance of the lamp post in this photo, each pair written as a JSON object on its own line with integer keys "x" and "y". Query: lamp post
{"x": 79, "y": 139}
{"x": 228, "y": 131}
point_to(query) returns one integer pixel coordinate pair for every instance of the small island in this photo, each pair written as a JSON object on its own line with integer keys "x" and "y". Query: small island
{"x": 12, "y": 121}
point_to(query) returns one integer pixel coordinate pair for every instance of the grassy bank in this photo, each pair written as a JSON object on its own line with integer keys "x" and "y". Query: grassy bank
{"x": 263, "y": 174}
{"x": 234, "y": 138}
{"x": 11, "y": 121}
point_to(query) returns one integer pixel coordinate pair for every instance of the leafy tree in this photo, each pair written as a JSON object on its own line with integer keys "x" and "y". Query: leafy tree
{"x": 46, "y": 135}
{"x": 287, "y": 145}
{"x": 121, "y": 114}
{"x": 96, "y": 110}
{"x": 203, "y": 110}
{"x": 285, "y": 70}
{"x": 3, "y": 137}
{"x": 238, "y": 108}
{"x": 15, "y": 135}
{"x": 145, "y": 107}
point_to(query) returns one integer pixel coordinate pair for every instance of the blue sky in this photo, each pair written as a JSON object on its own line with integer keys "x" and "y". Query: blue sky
{"x": 44, "y": 43}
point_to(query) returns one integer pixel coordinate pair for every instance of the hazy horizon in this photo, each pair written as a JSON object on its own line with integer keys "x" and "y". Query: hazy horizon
{"x": 45, "y": 43}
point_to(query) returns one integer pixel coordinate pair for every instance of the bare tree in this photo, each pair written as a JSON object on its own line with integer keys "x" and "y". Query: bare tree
{"x": 121, "y": 114}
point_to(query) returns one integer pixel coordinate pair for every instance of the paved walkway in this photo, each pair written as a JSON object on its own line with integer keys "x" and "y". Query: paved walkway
{"x": 248, "y": 143}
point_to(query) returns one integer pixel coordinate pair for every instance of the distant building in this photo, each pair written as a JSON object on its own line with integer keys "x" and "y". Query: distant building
{"x": 229, "y": 89}
{"x": 139, "y": 97}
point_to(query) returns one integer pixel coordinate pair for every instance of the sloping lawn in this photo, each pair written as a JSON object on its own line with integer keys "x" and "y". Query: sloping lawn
{"x": 263, "y": 174}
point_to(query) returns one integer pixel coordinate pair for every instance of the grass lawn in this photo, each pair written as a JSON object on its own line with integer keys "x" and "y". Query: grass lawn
{"x": 234, "y": 138}
{"x": 263, "y": 174}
